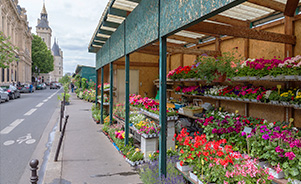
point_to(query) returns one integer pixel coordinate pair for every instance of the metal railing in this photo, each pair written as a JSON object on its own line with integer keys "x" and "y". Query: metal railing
{"x": 61, "y": 139}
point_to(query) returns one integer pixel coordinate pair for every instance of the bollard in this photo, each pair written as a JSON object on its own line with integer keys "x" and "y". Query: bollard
{"x": 61, "y": 139}
{"x": 61, "y": 116}
{"x": 34, "y": 167}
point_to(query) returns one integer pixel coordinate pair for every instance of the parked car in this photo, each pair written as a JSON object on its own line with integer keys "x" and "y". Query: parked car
{"x": 54, "y": 85}
{"x": 3, "y": 95}
{"x": 13, "y": 92}
{"x": 25, "y": 88}
{"x": 41, "y": 86}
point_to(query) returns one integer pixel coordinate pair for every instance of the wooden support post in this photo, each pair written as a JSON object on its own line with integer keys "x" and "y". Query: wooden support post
{"x": 127, "y": 98}
{"x": 182, "y": 60}
{"x": 246, "y": 109}
{"x": 102, "y": 99}
{"x": 169, "y": 62}
{"x": 162, "y": 115}
{"x": 289, "y": 30}
{"x": 246, "y": 48}
{"x": 217, "y": 44}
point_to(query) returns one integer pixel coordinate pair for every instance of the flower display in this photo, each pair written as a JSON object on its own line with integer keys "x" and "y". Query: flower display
{"x": 147, "y": 127}
{"x": 105, "y": 86}
{"x": 215, "y": 161}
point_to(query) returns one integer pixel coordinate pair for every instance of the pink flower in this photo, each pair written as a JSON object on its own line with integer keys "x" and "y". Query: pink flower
{"x": 290, "y": 155}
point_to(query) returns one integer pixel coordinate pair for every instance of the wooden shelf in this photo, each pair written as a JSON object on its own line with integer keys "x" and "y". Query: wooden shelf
{"x": 250, "y": 102}
{"x": 193, "y": 117}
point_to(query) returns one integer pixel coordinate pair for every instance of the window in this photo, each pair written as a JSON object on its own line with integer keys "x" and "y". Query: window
{"x": 16, "y": 75}
{"x": 2, "y": 74}
{"x": 7, "y": 75}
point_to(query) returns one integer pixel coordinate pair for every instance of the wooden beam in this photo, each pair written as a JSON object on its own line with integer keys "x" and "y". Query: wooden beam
{"x": 183, "y": 38}
{"x": 242, "y": 32}
{"x": 288, "y": 30}
{"x": 274, "y": 5}
{"x": 229, "y": 20}
{"x": 192, "y": 51}
{"x": 139, "y": 64}
{"x": 291, "y": 7}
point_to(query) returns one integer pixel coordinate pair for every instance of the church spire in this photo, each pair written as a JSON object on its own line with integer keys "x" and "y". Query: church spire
{"x": 44, "y": 9}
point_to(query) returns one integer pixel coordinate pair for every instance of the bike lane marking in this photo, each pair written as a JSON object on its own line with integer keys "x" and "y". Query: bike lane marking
{"x": 10, "y": 127}
{"x": 30, "y": 112}
{"x": 39, "y": 105}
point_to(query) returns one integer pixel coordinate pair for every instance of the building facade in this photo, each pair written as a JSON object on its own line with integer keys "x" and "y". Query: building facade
{"x": 44, "y": 31}
{"x": 14, "y": 24}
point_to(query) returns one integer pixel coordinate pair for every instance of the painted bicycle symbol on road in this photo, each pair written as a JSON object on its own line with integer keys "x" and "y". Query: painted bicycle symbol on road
{"x": 27, "y": 139}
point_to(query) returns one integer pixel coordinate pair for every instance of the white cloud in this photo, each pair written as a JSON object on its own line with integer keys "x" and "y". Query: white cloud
{"x": 72, "y": 22}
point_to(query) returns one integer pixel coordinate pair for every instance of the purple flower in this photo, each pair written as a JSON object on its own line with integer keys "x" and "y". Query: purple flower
{"x": 265, "y": 136}
{"x": 290, "y": 155}
{"x": 243, "y": 133}
{"x": 214, "y": 131}
{"x": 277, "y": 128}
{"x": 278, "y": 149}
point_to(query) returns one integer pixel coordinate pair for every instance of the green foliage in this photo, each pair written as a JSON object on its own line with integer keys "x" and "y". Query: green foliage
{"x": 41, "y": 56}
{"x": 7, "y": 54}
{"x": 84, "y": 85}
{"x": 77, "y": 80}
{"x": 65, "y": 80}
{"x": 61, "y": 97}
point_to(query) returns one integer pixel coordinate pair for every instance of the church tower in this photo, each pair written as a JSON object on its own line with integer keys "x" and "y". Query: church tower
{"x": 43, "y": 30}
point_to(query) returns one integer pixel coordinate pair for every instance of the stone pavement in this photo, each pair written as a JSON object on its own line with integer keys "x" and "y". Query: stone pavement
{"x": 86, "y": 156}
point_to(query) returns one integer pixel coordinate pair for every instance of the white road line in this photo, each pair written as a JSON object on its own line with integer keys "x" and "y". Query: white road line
{"x": 30, "y": 112}
{"x": 10, "y": 127}
{"x": 39, "y": 105}
{"x": 45, "y": 100}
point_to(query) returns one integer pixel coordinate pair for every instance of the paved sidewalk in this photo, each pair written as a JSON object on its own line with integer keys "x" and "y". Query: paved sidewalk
{"x": 86, "y": 156}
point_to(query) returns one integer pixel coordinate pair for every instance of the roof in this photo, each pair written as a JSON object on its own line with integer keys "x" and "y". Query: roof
{"x": 79, "y": 68}
{"x": 43, "y": 24}
{"x": 56, "y": 49}
{"x": 177, "y": 19}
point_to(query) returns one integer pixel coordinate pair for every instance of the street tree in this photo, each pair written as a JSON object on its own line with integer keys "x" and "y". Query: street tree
{"x": 7, "y": 51}
{"x": 66, "y": 79}
{"x": 42, "y": 58}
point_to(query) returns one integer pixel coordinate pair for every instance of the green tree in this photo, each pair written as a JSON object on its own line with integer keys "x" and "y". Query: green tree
{"x": 41, "y": 56}
{"x": 7, "y": 52}
{"x": 65, "y": 79}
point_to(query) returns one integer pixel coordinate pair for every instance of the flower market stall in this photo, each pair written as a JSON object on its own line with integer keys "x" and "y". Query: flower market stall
{"x": 234, "y": 66}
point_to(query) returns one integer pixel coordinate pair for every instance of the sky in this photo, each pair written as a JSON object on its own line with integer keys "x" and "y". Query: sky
{"x": 73, "y": 23}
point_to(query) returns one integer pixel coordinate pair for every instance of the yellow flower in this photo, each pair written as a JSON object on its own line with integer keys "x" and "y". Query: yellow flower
{"x": 137, "y": 149}
{"x": 150, "y": 155}
{"x": 176, "y": 146}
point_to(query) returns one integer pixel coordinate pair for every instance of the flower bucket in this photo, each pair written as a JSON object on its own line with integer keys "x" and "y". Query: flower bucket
{"x": 290, "y": 77}
{"x": 266, "y": 78}
{"x": 274, "y": 102}
{"x": 284, "y": 103}
{"x": 239, "y": 99}
{"x": 294, "y": 181}
{"x": 253, "y": 78}
{"x": 184, "y": 168}
{"x": 299, "y": 77}
{"x": 243, "y": 78}
{"x": 262, "y": 163}
{"x": 254, "y": 100}
{"x": 193, "y": 176}
{"x": 273, "y": 172}
{"x": 279, "y": 77}
{"x": 235, "y": 78}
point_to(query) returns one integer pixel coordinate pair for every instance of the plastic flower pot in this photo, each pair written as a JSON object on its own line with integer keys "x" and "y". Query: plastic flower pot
{"x": 243, "y": 78}
{"x": 293, "y": 181}
{"x": 184, "y": 168}
{"x": 193, "y": 176}
{"x": 253, "y": 78}
{"x": 299, "y": 77}
{"x": 273, "y": 172}
{"x": 279, "y": 77}
{"x": 290, "y": 77}
{"x": 266, "y": 78}
{"x": 254, "y": 100}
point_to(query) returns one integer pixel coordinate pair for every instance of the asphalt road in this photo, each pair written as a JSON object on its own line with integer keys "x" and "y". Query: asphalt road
{"x": 22, "y": 123}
